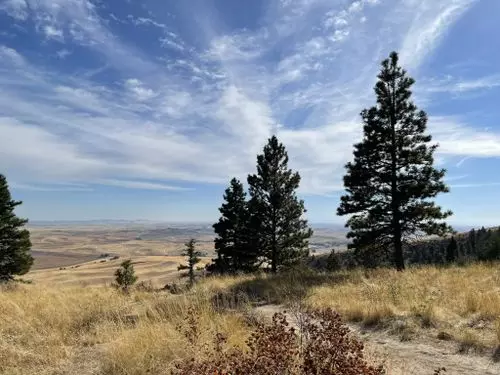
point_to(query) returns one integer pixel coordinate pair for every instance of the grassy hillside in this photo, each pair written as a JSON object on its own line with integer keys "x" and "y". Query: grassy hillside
{"x": 451, "y": 301}
{"x": 159, "y": 270}
{"x": 88, "y": 330}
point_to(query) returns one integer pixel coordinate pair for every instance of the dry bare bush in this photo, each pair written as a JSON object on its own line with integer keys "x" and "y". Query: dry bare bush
{"x": 324, "y": 346}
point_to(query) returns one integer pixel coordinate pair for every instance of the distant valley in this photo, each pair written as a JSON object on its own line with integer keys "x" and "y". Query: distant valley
{"x": 59, "y": 244}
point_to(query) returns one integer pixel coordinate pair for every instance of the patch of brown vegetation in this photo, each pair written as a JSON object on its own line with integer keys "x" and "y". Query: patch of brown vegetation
{"x": 323, "y": 346}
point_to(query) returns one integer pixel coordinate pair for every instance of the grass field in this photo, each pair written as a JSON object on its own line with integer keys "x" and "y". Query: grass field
{"x": 51, "y": 328}
{"x": 96, "y": 240}
{"x": 158, "y": 270}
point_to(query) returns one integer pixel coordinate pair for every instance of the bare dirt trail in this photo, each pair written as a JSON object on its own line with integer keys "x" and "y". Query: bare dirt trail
{"x": 416, "y": 357}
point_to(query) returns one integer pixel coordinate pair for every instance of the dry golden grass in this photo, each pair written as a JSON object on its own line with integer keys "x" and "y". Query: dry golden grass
{"x": 456, "y": 298}
{"x": 49, "y": 328}
{"x": 432, "y": 295}
{"x": 78, "y": 330}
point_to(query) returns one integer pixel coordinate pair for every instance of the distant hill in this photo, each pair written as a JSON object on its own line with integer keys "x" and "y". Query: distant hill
{"x": 326, "y": 235}
{"x": 112, "y": 222}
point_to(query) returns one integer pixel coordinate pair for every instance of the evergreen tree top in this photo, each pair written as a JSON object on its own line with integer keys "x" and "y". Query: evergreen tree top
{"x": 272, "y": 169}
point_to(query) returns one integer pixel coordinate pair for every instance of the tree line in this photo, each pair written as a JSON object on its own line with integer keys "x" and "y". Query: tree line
{"x": 390, "y": 187}
{"x": 481, "y": 245}
{"x": 476, "y": 245}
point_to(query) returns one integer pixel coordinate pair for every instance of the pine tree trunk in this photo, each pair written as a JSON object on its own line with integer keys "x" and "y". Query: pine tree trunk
{"x": 396, "y": 223}
{"x": 396, "y": 215}
{"x": 398, "y": 248}
{"x": 191, "y": 276}
{"x": 274, "y": 255}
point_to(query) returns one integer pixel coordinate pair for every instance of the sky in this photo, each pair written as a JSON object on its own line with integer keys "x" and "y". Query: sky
{"x": 118, "y": 109}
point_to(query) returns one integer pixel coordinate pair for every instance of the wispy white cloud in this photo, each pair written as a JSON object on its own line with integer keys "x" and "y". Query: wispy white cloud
{"x": 13, "y": 57}
{"x": 172, "y": 40}
{"x": 201, "y": 113}
{"x": 458, "y": 139}
{"x": 47, "y": 188}
{"x": 15, "y": 8}
{"x": 28, "y": 150}
{"x": 80, "y": 21}
{"x": 52, "y": 32}
{"x": 240, "y": 46}
{"x": 63, "y": 53}
{"x": 340, "y": 22}
{"x": 456, "y": 177}
{"x": 136, "y": 87}
{"x": 138, "y": 21}
{"x": 430, "y": 22}
{"x": 141, "y": 185}
{"x": 462, "y": 161}
{"x": 454, "y": 85}
{"x": 475, "y": 185}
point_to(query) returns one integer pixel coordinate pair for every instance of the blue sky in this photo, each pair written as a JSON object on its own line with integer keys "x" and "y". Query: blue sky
{"x": 146, "y": 109}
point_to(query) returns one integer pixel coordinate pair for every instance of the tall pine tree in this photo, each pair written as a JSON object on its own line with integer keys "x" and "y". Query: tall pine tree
{"x": 232, "y": 242}
{"x": 276, "y": 214}
{"x": 15, "y": 244}
{"x": 391, "y": 182}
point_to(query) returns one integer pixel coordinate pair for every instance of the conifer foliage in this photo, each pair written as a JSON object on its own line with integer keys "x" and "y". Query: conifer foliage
{"x": 268, "y": 227}
{"x": 391, "y": 182}
{"x": 276, "y": 214}
{"x": 125, "y": 275}
{"x": 452, "y": 251}
{"x": 193, "y": 258}
{"x": 15, "y": 244}
{"x": 232, "y": 241}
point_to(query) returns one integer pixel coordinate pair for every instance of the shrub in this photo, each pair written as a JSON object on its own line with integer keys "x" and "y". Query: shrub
{"x": 193, "y": 258}
{"x": 323, "y": 346}
{"x": 125, "y": 275}
{"x": 332, "y": 262}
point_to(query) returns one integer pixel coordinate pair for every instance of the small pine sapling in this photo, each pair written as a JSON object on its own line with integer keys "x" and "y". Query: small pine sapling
{"x": 125, "y": 276}
{"x": 193, "y": 258}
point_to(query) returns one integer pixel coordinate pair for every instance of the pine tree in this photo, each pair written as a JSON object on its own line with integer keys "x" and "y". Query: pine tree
{"x": 276, "y": 223}
{"x": 451, "y": 251}
{"x": 461, "y": 252}
{"x": 472, "y": 241}
{"x": 15, "y": 244}
{"x": 232, "y": 241}
{"x": 391, "y": 182}
{"x": 493, "y": 247}
{"x": 125, "y": 275}
{"x": 332, "y": 262}
{"x": 193, "y": 258}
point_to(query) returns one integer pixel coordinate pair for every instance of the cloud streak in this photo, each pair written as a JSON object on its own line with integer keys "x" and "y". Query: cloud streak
{"x": 178, "y": 111}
